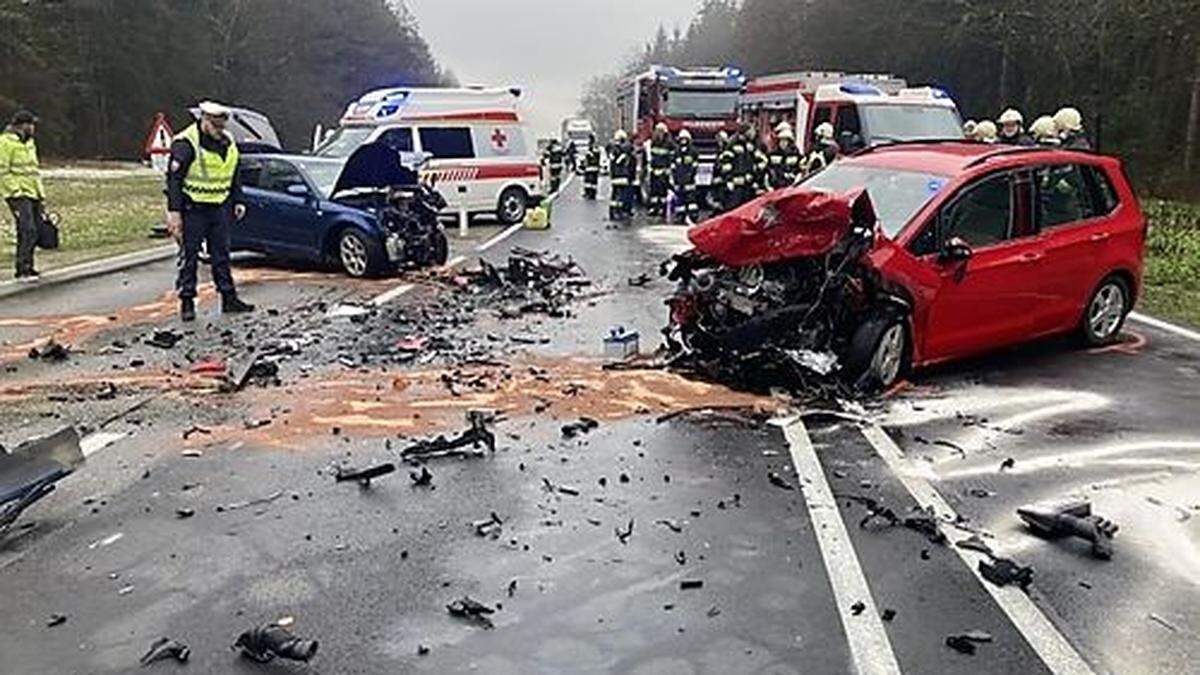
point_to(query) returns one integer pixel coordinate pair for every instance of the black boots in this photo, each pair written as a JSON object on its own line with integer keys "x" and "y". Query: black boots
{"x": 187, "y": 309}
{"x": 231, "y": 304}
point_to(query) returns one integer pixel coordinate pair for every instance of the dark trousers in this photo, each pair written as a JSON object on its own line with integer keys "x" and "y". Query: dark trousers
{"x": 590, "y": 178}
{"x": 205, "y": 224}
{"x": 658, "y": 193}
{"x": 28, "y": 215}
{"x": 621, "y": 207}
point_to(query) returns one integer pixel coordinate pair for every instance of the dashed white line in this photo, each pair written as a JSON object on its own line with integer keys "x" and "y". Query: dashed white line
{"x": 870, "y": 647}
{"x": 1046, "y": 640}
{"x": 1163, "y": 325}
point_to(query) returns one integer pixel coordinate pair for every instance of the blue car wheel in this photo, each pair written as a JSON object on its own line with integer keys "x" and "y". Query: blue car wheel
{"x": 359, "y": 256}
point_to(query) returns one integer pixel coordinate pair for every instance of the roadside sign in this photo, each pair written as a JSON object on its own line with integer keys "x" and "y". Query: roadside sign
{"x": 158, "y": 143}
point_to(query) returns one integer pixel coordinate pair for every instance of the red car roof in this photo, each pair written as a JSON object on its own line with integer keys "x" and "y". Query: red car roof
{"x": 953, "y": 158}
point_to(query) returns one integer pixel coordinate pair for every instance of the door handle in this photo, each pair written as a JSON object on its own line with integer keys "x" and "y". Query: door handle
{"x": 1030, "y": 257}
{"x": 1099, "y": 237}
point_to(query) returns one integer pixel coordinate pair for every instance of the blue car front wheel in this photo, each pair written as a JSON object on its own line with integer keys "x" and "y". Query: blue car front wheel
{"x": 357, "y": 255}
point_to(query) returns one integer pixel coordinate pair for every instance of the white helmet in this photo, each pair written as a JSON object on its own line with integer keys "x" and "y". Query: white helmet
{"x": 970, "y": 129}
{"x": 782, "y": 127}
{"x": 685, "y": 135}
{"x": 1043, "y": 128}
{"x": 1011, "y": 116}
{"x": 620, "y": 135}
{"x": 785, "y": 134}
{"x": 722, "y": 135}
{"x": 986, "y": 131}
{"x": 661, "y": 127}
{"x": 824, "y": 130}
{"x": 1068, "y": 120}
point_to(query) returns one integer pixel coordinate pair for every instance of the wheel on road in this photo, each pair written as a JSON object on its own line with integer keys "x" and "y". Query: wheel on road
{"x": 1106, "y": 311}
{"x": 358, "y": 256}
{"x": 512, "y": 205}
{"x": 878, "y": 353}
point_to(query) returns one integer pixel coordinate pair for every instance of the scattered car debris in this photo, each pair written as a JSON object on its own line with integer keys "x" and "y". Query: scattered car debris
{"x": 858, "y": 608}
{"x": 976, "y": 543}
{"x": 620, "y": 343}
{"x": 1072, "y": 518}
{"x": 966, "y": 643}
{"x": 640, "y": 280}
{"x": 165, "y": 648}
{"x": 1007, "y": 464}
{"x": 919, "y": 520}
{"x": 52, "y": 351}
{"x": 221, "y": 508}
{"x": 490, "y": 526}
{"x": 32, "y": 469}
{"x": 624, "y": 535}
{"x": 478, "y": 434}
{"x": 582, "y": 426}
{"x": 887, "y": 615}
{"x": 472, "y": 610}
{"x": 264, "y": 643}
{"x": 531, "y": 282}
{"x": 1004, "y": 571}
{"x": 164, "y": 339}
{"x": 691, "y": 584}
{"x": 195, "y": 429}
{"x": 421, "y": 479}
{"x": 550, "y": 486}
{"x": 182, "y": 513}
{"x": 56, "y": 620}
{"x": 672, "y": 525}
{"x": 363, "y": 476}
{"x": 779, "y": 481}
{"x": 1162, "y": 622}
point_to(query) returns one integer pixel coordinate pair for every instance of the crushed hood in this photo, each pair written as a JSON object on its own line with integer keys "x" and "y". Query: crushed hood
{"x": 375, "y": 165}
{"x": 796, "y": 222}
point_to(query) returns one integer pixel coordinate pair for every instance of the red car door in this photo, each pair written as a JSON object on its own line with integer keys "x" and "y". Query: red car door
{"x": 988, "y": 299}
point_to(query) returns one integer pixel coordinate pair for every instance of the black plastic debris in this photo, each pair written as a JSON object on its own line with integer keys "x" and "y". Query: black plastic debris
{"x": 511, "y": 590}
{"x": 1004, "y": 571}
{"x": 165, "y": 648}
{"x": 164, "y": 339}
{"x": 779, "y": 481}
{"x": 475, "y": 436}
{"x": 858, "y": 608}
{"x": 264, "y": 643}
{"x": 1071, "y": 519}
{"x": 56, "y": 620}
{"x": 919, "y": 520}
{"x": 363, "y": 476}
{"x": 887, "y": 615}
{"x": 471, "y": 610}
{"x": 966, "y": 643}
{"x": 32, "y": 469}
{"x": 51, "y": 351}
{"x": 1007, "y": 464}
{"x": 195, "y": 429}
{"x": 582, "y": 426}
{"x": 976, "y": 543}
{"x": 672, "y": 525}
{"x": 421, "y": 479}
{"x": 490, "y": 526}
{"x": 624, "y": 535}
{"x": 691, "y": 584}
{"x": 182, "y": 513}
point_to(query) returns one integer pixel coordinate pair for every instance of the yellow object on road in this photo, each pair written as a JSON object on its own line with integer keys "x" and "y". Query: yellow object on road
{"x": 538, "y": 218}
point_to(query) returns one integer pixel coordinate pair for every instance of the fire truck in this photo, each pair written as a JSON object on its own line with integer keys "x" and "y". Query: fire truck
{"x": 865, "y": 108}
{"x": 702, "y": 100}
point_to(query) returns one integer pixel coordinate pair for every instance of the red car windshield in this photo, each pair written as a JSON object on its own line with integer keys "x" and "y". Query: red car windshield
{"x": 896, "y": 194}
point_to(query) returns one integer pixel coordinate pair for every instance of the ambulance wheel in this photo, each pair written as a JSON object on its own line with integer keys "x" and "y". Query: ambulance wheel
{"x": 512, "y": 205}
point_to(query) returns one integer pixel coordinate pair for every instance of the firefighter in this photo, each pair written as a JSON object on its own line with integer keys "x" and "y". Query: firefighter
{"x": 1012, "y": 131}
{"x": 1070, "y": 129}
{"x": 591, "y": 168}
{"x": 553, "y": 160}
{"x": 684, "y": 163}
{"x": 722, "y": 185}
{"x": 986, "y": 132}
{"x": 622, "y": 165}
{"x": 1044, "y": 131}
{"x": 971, "y": 130}
{"x": 661, "y": 151}
{"x": 784, "y": 160}
{"x": 824, "y": 151}
{"x": 761, "y": 167}
{"x": 204, "y": 198}
{"x": 21, "y": 187}
{"x": 745, "y": 152}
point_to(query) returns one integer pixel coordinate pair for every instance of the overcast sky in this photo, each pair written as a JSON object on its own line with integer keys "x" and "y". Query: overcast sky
{"x": 548, "y": 47}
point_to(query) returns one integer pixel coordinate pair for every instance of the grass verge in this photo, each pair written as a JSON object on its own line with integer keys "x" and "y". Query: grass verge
{"x": 1172, "y": 275}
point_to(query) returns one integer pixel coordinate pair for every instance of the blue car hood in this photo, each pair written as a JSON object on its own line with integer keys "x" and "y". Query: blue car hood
{"x": 375, "y": 165}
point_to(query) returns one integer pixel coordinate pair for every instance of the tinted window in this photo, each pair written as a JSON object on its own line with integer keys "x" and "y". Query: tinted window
{"x": 981, "y": 215}
{"x": 399, "y": 139}
{"x": 277, "y": 175}
{"x": 249, "y": 172}
{"x": 1062, "y": 196}
{"x": 447, "y": 143}
{"x": 847, "y": 120}
{"x": 824, "y": 114}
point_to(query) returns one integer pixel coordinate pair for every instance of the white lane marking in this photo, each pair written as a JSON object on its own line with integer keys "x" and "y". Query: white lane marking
{"x": 512, "y": 229}
{"x": 95, "y": 442}
{"x": 869, "y": 644}
{"x": 1051, "y": 646}
{"x": 392, "y": 294}
{"x": 1163, "y": 325}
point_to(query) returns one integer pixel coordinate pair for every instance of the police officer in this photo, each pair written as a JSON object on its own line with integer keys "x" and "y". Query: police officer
{"x": 554, "y": 163}
{"x": 622, "y": 165}
{"x": 824, "y": 151}
{"x": 784, "y": 160}
{"x": 21, "y": 187}
{"x": 684, "y": 163}
{"x": 1012, "y": 130}
{"x": 661, "y": 151}
{"x": 591, "y": 168}
{"x": 722, "y": 187}
{"x": 203, "y": 199}
{"x": 1070, "y": 129}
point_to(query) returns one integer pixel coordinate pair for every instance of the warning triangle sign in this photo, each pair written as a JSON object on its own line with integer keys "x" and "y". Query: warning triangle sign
{"x": 159, "y": 140}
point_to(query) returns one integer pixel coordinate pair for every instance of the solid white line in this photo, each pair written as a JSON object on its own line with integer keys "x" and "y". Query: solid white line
{"x": 95, "y": 442}
{"x": 1163, "y": 325}
{"x": 512, "y": 229}
{"x": 392, "y": 294}
{"x": 1051, "y": 646}
{"x": 869, "y": 645}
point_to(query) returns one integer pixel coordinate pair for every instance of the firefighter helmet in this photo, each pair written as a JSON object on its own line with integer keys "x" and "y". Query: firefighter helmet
{"x": 1011, "y": 116}
{"x": 620, "y": 135}
{"x": 685, "y": 135}
{"x": 723, "y": 136}
{"x": 1043, "y": 128}
{"x": 785, "y": 134}
{"x": 782, "y": 127}
{"x": 824, "y": 131}
{"x": 1068, "y": 120}
{"x": 986, "y": 131}
{"x": 971, "y": 129}
{"x": 661, "y": 128}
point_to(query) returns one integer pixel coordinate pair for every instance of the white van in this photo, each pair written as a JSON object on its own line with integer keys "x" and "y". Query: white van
{"x": 481, "y": 153}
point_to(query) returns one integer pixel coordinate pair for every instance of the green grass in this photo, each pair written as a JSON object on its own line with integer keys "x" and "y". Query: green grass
{"x": 101, "y": 217}
{"x": 1172, "y": 276}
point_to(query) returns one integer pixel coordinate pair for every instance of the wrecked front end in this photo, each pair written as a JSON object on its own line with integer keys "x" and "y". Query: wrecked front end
{"x": 774, "y": 292}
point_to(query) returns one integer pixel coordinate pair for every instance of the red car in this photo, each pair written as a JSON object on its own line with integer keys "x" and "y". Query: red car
{"x": 912, "y": 254}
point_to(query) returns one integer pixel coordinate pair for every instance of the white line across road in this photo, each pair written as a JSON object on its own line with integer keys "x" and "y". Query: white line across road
{"x": 870, "y": 647}
{"x": 1051, "y": 646}
{"x": 1163, "y": 325}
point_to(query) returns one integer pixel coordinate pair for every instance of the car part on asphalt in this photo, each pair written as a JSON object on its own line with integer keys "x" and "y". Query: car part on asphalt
{"x": 1071, "y": 518}
{"x": 472, "y": 610}
{"x": 581, "y": 426}
{"x": 51, "y": 351}
{"x": 165, "y": 648}
{"x": 363, "y": 476}
{"x": 422, "y": 479}
{"x": 965, "y": 643}
{"x": 779, "y": 481}
{"x": 490, "y": 526}
{"x": 164, "y": 339}
{"x": 478, "y": 434}
{"x": 264, "y": 643}
{"x": 32, "y": 469}
{"x": 919, "y": 520}
{"x": 234, "y": 506}
{"x": 1004, "y": 571}
{"x": 624, "y": 535}
{"x": 531, "y": 282}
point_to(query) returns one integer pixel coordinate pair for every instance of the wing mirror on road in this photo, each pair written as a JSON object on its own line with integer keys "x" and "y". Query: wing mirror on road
{"x": 955, "y": 250}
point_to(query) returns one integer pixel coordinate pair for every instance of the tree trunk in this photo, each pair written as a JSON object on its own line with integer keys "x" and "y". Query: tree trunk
{"x": 1193, "y": 129}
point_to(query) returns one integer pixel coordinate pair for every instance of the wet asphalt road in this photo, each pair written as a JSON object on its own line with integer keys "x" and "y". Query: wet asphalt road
{"x": 369, "y": 572}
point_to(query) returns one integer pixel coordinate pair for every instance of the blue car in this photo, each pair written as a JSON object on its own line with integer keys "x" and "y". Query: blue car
{"x": 367, "y": 214}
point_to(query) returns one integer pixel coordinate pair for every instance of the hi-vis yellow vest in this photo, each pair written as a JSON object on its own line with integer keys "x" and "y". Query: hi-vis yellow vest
{"x": 19, "y": 175}
{"x": 210, "y": 176}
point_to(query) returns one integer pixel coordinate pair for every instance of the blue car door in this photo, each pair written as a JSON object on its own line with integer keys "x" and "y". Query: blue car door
{"x": 248, "y": 233}
{"x": 289, "y": 213}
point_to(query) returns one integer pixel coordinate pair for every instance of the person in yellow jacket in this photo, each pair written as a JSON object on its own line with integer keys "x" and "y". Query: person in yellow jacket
{"x": 21, "y": 186}
{"x": 204, "y": 198}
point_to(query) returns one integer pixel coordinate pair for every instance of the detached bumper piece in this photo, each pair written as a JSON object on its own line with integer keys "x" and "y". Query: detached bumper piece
{"x": 31, "y": 471}
{"x": 264, "y": 643}
{"x": 1072, "y": 518}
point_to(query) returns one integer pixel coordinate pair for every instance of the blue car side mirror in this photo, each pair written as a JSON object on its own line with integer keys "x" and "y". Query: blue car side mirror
{"x": 297, "y": 190}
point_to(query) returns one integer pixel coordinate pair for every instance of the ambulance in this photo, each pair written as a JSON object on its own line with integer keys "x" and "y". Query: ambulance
{"x": 480, "y": 151}
{"x": 866, "y": 109}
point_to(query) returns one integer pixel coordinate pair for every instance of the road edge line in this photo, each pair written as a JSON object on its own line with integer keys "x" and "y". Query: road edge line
{"x": 87, "y": 270}
{"x": 1051, "y": 646}
{"x": 870, "y": 647}
{"x": 1165, "y": 325}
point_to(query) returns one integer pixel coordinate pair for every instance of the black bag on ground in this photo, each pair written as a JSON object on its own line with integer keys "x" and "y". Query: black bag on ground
{"x": 48, "y": 231}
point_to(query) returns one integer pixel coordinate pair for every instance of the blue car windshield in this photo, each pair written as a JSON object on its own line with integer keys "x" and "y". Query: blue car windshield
{"x": 895, "y": 194}
{"x": 323, "y": 172}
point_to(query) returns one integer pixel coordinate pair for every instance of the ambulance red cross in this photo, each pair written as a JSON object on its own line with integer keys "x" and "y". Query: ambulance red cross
{"x": 477, "y": 138}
